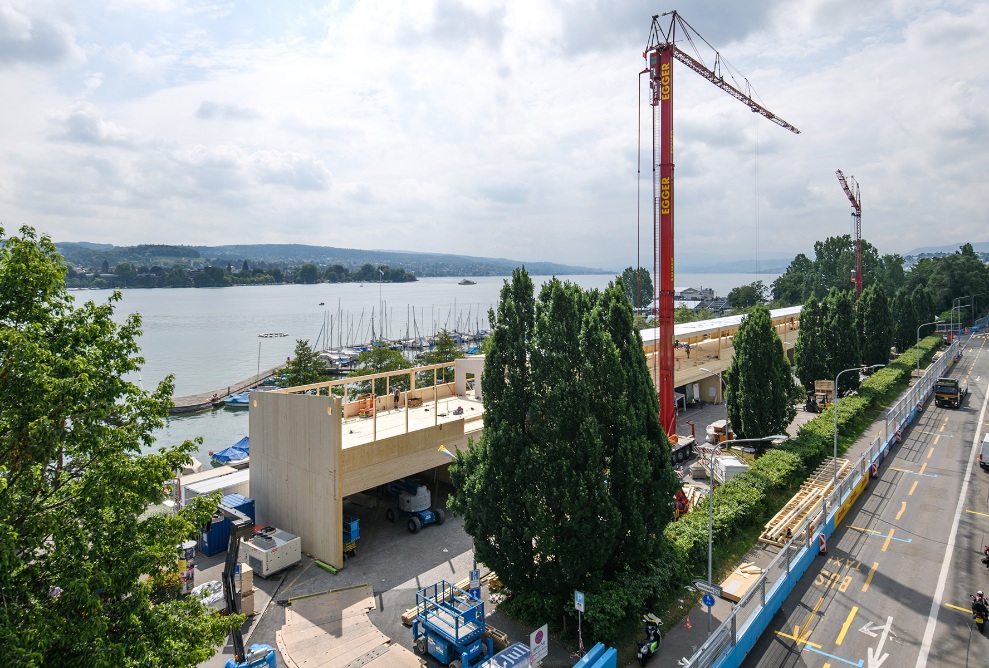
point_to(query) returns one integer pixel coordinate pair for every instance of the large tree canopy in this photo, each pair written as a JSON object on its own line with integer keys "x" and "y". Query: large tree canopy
{"x": 571, "y": 483}
{"x": 75, "y": 542}
{"x": 760, "y": 384}
{"x": 638, "y": 287}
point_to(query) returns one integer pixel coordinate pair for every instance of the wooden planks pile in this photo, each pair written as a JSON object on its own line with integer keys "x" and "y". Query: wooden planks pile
{"x": 740, "y": 581}
{"x": 489, "y": 578}
{"x": 805, "y": 503}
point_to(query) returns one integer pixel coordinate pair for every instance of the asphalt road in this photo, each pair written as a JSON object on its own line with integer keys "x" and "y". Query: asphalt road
{"x": 894, "y": 587}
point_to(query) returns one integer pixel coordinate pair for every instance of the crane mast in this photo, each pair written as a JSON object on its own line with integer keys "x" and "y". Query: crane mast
{"x": 661, "y": 50}
{"x": 851, "y": 189}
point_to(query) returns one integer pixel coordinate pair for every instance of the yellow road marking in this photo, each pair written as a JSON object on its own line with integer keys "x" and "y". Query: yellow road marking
{"x": 868, "y": 580}
{"x": 798, "y": 640}
{"x": 902, "y": 508}
{"x": 827, "y": 665}
{"x": 931, "y": 452}
{"x": 942, "y": 428}
{"x": 888, "y": 538}
{"x": 872, "y": 531}
{"x": 913, "y": 487}
{"x": 974, "y": 512}
{"x": 958, "y": 608}
{"x": 848, "y": 622}
{"x": 923, "y": 468}
{"x": 804, "y": 633}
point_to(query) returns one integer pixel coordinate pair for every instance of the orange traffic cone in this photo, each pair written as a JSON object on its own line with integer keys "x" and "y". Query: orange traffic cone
{"x": 687, "y": 624}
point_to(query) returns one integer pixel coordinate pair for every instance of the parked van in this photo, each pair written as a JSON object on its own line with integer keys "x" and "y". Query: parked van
{"x": 984, "y": 452}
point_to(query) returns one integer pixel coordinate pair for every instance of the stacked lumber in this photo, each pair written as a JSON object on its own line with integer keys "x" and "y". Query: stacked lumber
{"x": 500, "y": 638}
{"x": 805, "y": 503}
{"x": 741, "y": 580}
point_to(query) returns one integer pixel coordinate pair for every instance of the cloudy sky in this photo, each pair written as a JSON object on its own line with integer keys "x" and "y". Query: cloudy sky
{"x": 503, "y": 129}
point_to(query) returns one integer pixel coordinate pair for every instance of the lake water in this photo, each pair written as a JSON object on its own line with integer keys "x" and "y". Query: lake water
{"x": 208, "y": 338}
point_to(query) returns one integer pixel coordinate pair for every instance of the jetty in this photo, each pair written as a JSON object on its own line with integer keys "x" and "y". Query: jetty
{"x": 196, "y": 403}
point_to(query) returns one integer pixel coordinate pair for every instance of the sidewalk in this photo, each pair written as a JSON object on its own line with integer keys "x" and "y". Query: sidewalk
{"x": 683, "y": 642}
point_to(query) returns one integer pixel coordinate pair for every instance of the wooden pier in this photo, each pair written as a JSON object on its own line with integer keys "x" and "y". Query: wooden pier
{"x": 197, "y": 403}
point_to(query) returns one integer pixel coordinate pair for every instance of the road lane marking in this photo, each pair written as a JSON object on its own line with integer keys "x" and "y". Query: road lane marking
{"x": 926, "y": 475}
{"x": 888, "y": 538}
{"x": 949, "y": 550}
{"x": 848, "y": 622}
{"x": 803, "y": 632}
{"x": 975, "y": 512}
{"x": 836, "y": 658}
{"x": 913, "y": 487}
{"x": 880, "y": 534}
{"x": 902, "y": 508}
{"x": 868, "y": 580}
{"x": 797, "y": 640}
{"x": 931, "y": 451}
{"x": 923, "y": 468}
{"x": 957, "y": 607}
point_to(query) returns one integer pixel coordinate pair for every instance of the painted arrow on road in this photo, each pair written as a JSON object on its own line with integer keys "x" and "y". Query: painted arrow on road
{"x": 877, "y": 657}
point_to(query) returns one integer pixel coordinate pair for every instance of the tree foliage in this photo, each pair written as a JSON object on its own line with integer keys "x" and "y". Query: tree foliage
{"x": 759, "y": 380}
{"x": 638, "y": 286}
{"x": 305, "y": 367}
{"x": 378, "y": 359}
{"x": 810, "y": 353}
{"x": 904, "y": 319}
{"x": 843, "y": 349}
{"x": 747, "y": 296}
{"x": 571, "y": 483}
{"x": 74, "y": 485}
{"x": 445, "y": 349}
{"x": 877, "y": 325}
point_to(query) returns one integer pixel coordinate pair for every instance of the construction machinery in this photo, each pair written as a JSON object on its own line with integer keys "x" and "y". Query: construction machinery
{"x": 662, "y": 48}
{"x": 851, "y": 189}
{"x": 449, "y": 626}
{"x": 949, "y": 392}
{"x": 414, "y": 501}
{"x": 241, "y": 526}
{"x": 822, "y": 398}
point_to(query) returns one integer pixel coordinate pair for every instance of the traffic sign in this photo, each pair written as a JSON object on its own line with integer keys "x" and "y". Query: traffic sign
{"x": 539, "y": 643}
{"x": 475, "y": 585}
{"x": 708, "y": 600}
{"x": 707, "y": 587}
{"x": 578, "y": 600}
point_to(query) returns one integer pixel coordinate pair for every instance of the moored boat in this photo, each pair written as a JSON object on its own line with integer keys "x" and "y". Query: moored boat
{"x": 237, "y": 455}
{"x": 238, "y": 400}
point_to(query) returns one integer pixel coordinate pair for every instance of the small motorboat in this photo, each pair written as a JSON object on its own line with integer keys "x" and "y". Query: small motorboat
{"x": 237, "y": 455}
{"x": 238, "y": 400}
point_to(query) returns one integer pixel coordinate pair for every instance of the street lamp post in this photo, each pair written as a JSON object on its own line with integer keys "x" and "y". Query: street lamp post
{"x": 918, "y": 343}
{"x": 710, "y": 502}
{"x": 835, "y": 409}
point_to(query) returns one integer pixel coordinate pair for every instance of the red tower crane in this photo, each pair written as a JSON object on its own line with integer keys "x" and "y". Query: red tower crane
{"x": 660, "y": 52}
{"x": 851, "y": 189}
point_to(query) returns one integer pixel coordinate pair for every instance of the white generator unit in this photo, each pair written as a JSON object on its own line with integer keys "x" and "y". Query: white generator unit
{"x": 271, "y": 550}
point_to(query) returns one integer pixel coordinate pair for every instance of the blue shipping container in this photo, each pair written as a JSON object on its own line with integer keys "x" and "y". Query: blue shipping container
{"x": 215, "y": 540}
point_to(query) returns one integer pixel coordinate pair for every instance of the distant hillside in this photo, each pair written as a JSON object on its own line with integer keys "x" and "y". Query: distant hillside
{"x": 83, "y": 254}
{"x": 978, "y": 247}
{"x": 768, "y": 266}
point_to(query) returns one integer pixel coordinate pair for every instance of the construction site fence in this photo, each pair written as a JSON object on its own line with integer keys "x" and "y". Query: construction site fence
{"x": 729, "y": 644}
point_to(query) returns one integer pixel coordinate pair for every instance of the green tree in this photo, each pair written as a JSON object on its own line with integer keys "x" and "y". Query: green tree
{"x": 305, "y": 367}
{"x": 841, "y": 337}
{"x": 747, "y": 296}
{"x": 794, "y": 286}
{"x": 638, "y": 287}
{"x": 810, "y": 353}
{"x": 759, "y": 381}
{"x": 378, "y": 359}
{"x": 904, "y": 321}
{"x": 75, "y": 486}
{"x": 876, "y": 324}
{"x": 444, "y": 350}
{"x": 571, "y": 483}
{"x": 308, "y": 274}
{"x": 125, "y": 275}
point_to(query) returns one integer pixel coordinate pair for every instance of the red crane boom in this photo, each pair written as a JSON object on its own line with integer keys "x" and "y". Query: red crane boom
{"x": 660, "y": 52}
{"x": 855, "y": 197}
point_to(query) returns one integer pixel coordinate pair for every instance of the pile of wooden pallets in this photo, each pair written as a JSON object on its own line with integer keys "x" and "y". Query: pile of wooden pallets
{"x": 489, "y": 578}
{"x": 805, "y": 503}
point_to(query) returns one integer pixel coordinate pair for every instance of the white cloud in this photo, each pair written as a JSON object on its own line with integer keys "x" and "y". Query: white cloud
{"x": 416, "y": 122}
